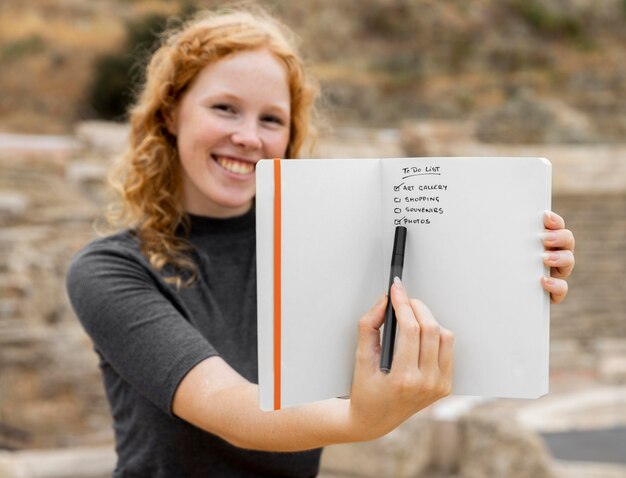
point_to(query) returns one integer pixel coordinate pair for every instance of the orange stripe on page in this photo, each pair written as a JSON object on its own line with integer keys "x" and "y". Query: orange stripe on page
{"x": 277, "y": 282}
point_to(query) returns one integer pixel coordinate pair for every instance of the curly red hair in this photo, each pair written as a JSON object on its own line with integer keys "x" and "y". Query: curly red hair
{"x": 147, "y": 177}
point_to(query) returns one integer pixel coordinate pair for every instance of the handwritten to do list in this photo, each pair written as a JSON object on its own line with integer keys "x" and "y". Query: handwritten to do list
{"x": 418, "y": 195}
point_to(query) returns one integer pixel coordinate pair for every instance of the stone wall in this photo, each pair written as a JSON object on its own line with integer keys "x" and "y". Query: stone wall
{"x": 50, "y": 391}
{"x": 596, "y": 305}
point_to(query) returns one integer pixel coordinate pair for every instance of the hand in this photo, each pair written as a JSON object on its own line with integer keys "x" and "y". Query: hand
{"x": 559, "y": 246}
{"x": 421, "y": 371}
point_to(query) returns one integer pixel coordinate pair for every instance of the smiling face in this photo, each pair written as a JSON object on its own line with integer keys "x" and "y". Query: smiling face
{"x": 236, "y": 112}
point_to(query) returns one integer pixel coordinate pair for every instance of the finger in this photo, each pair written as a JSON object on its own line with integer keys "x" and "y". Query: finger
{"x": 369, "y": 325}
{"x": 559, "y": 239}
{"x": 561, "y": 263}
{"x": 371, "y": 322}
{"x": 430, "y": 333}
{"x": 446, "y": 354}
{"x": 407, "y": 351}
{"x": 557, "y": 288}
{"x": 375, "y": 317}
{"x": 552, "y": 220}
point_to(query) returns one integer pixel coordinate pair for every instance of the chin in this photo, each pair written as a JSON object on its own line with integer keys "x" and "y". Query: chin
{"x": 239, "y": 205}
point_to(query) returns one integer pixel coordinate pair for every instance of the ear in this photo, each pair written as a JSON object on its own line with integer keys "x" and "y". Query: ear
{"x": 171, "y": 120}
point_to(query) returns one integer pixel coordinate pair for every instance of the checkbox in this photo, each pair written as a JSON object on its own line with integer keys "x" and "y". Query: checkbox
{"x": 397, "y": 210}
{"x": 397, "y": 199}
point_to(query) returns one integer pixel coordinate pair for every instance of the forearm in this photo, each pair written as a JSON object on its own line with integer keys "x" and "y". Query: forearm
{"x": 214, "y": 397}
{"x": 234, "y": 415}
{"x": 218, "y": 400}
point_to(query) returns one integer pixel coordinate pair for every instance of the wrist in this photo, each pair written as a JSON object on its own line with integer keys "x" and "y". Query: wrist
{"x": 366, "y": 424}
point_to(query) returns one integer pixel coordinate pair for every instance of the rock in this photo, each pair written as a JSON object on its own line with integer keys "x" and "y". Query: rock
{"x": 433, "y": 138}
{"x": 56, "y": 397}
{"x": 9, "y": 308}
{"x": 403, "y": 453}
{"x": 494, "y": 446}
{"x": 588, "y": 409}
{"x": 12, "y": 204}
{"x": 528, "y": 119}
{"x": 566, "y": 354}
{"x": 359, "y": 143}
{"x": 103, "y": 136}
{"x": 446, "y": 446}
{"x": 96, "y": 462}
{"x": 48, "y": 146}
{"x": 447, "y": 433}
{"x": 612, "y": 359}
{"x": 7, "y": 468}
{"x": 84, "y": 172}
{"x": 90, "y": 179}
{"x": 613, "y": 370}
{"x": 568, "y": 469}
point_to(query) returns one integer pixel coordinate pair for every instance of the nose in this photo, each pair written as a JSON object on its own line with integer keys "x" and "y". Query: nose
{"x": 246, "y": 135}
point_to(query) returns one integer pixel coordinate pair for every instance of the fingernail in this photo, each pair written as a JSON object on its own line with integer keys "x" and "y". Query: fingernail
{"x": 550, "y": 215}
{"x": 550, "y": 236}
{"x": 549, "y": 281}
{"x": 397, "y": 281}
{"x": 380, "y": 301}
{"x": 553, "y": 256}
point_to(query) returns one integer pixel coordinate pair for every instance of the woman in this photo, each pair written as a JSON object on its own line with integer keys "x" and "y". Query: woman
{"x": 170, "y": 302}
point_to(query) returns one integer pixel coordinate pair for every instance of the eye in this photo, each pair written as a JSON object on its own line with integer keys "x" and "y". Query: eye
{"x": 272, "y": 119}
{"x": 223, "y": 107}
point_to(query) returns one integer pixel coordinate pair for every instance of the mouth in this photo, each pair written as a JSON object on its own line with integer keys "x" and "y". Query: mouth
{"x": 234, "y": 165}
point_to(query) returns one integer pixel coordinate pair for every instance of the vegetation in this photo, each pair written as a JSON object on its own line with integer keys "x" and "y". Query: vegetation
{"x": 379, "y": 61}
{"x": 31, "y": 45}
{"x": 549, "y": 22}
{"x": 116, "y": 75}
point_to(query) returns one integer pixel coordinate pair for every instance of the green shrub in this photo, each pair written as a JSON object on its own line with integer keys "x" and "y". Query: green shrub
{"x": 547, "y": 21}
{"x": 404, "y": 67}
{"x": 388, "y": 19}
{"x": 117, "y": 75}
{"x": 16, "y": 49}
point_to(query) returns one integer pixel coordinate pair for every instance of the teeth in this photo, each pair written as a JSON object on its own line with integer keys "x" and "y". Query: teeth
{"x": 234, "y": 166}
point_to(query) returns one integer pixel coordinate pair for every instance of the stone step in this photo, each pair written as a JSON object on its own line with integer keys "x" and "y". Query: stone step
{"x": 10, "y": 308}
{"x": 12, "y": 286}
{"x": 18, "y": 333}
{"x": 83, "y": 172}
{"x": 92, "y": 462}
{"x": 568, "y": 469}
{"x": 24, "y": 234}
{"x": 13, "y": 204}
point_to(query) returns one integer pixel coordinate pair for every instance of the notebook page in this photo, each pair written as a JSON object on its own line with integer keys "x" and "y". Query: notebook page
{"x": 331, "y": 274}
{"x": 473, "y": 255}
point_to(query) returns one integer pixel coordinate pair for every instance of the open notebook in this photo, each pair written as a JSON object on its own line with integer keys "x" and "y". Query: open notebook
{"x": 324, "y": 237}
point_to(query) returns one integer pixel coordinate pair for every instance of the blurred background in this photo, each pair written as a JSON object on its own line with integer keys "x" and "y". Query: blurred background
{"x": 399, "y": 78}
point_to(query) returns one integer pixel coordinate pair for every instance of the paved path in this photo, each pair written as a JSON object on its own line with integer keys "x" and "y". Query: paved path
{"x": 603, "y": 446}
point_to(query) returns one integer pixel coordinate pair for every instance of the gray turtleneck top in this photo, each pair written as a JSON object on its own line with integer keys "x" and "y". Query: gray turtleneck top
{"x": 148, "y": 335}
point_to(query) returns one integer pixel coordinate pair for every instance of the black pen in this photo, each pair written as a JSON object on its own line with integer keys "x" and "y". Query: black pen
{"x": 389, "y": 331}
